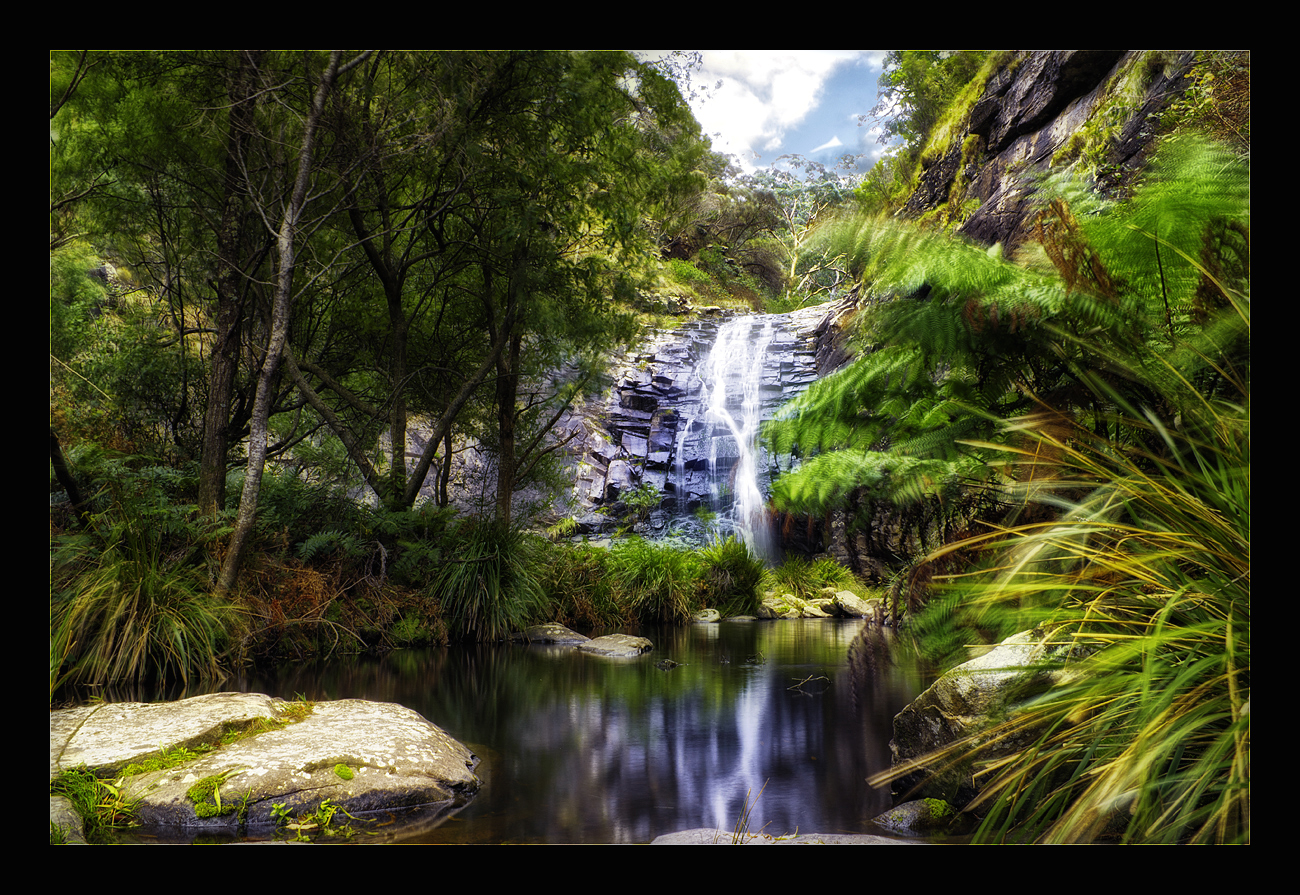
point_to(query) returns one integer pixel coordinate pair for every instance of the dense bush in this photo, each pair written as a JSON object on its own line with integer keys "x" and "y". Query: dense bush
{"x": 129, "y": 593}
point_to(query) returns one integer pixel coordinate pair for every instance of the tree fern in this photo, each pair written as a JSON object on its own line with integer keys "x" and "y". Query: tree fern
{"x": 957, "y": 338}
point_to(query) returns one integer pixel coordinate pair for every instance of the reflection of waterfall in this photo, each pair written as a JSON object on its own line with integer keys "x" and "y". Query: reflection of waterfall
{"x": 732, "y": 377}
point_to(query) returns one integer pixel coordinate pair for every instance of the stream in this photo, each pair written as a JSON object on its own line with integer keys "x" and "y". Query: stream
{"x": 581, "y": 749}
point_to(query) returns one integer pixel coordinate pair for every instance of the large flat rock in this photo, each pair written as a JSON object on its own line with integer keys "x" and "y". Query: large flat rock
{"x": 368, "y": 758}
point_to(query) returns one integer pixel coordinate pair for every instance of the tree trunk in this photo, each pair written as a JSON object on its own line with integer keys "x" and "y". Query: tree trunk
{"x": 507, "y": 397}
{"x": 276, "y": 339}
{"x": 63, "y": 473}
{"x": 230, "y": 305}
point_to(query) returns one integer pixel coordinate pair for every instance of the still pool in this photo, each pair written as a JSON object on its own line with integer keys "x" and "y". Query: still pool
{"x": 789, "y": 717}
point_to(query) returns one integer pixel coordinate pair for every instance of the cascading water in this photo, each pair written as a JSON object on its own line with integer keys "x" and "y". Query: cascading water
{"x": 684, "y": 421}
{"x": 732, "y": 379}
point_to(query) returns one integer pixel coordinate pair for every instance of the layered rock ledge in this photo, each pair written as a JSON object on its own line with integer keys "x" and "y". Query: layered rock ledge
{"x": 376, "y": 761}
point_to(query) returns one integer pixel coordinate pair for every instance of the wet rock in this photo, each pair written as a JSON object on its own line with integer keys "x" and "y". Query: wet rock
{"x": 617, "y": 646}
{"x": 550, "y": 633}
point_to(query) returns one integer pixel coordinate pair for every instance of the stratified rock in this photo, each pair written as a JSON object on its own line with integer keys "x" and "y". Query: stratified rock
{"x": 707, "y": 617}
{"x": 617, "y": 646}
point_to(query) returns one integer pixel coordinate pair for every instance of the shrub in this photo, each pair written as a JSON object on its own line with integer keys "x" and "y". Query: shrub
{"x": 581, "y": 587}
{"x": 1148, "y": 574}
{"x": 661, "y": 583}
{"x": 806, "y": 578}
{"x": 731, "y": 576}
{"x": 130, "y": 599}
{"x": 487, "y": 583}
{"x": 135, "y": 613}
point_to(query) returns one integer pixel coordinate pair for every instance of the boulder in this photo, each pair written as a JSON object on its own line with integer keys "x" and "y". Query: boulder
{"x": 850, "y": 604}
{"x": 617, "y": 646}
{"x": 710, "y": 836}
{"x": 965, "y": 701}
{"x": 550, "y": 633}
{"x": 367, "y": 758}
{"x": 923, "y": 817}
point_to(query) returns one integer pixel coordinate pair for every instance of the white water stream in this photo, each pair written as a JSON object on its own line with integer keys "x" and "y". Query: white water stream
{"x": 732, "y": 378}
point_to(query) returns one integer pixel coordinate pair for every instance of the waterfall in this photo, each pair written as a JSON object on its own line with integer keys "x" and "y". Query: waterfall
{"x": 732, "y": 380}
{"x": 684, "y": 416}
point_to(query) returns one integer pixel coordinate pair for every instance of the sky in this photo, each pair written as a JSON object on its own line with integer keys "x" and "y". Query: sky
{"x": 760, "y": 104}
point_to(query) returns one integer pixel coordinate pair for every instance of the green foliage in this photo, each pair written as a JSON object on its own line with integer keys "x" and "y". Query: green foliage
{"x": 166, "y": 758}
{"x": 730, "y": 578}
{"x": 313, "y": 826}
{"x": 75, "y": 298}
{"x": 102, "y": 805}
{"x": 580, "y": 586}
{"x": 1146, "y": 573}
{"x": 917, "y": 86}
{"x": 130, "y": 597}
{"x": 920, "y": 91}
{"x": 807, "y": 578}
{"x": 641, "y": 501}
{"x": 1218, "y": 101}
{"x": 661, "y": 583}
{"x": 962, "y": 338}
{"x": 206, "y": 797}
{"x": 1133, "y": 549}
{"x": 488, "y": 583}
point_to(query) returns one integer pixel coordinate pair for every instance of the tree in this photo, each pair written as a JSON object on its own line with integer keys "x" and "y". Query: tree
{"x": 286, "y": 238}
{"x": 591, "y": 142}
{"x": 492, "y": 197}
{"x": 916, "y": 87}
{"x": 805, "y": 193}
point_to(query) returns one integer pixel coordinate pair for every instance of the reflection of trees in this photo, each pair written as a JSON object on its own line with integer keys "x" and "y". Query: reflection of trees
{"x": 619, "y": 751}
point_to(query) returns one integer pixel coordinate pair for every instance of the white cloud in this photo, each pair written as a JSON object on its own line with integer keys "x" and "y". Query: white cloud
{"x": 829, "y": 144}
{"x": 763, "y": 94}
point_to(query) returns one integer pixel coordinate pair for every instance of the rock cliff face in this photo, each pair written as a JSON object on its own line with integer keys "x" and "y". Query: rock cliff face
{"x": 1039, "y": 112}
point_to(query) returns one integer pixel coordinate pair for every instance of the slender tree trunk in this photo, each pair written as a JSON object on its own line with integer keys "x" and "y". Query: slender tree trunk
{"x": 507, "y": 398}
{"x": 279, "y": 333}
{"x": 230, "y": 306}
{"x": 63, "y": 472}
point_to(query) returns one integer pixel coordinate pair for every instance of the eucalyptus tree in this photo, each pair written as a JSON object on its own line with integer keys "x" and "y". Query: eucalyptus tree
{"x": 289, "y": 212}
{"x": 806, "y": 193}
{"x": 499, "y": 202}
{"x": 585, "y": 146}
{"x": 399, "y": 340}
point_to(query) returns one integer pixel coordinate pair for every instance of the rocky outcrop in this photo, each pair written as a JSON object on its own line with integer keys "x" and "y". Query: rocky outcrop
{"x": 652, "y": 433}
{"x": 369, "y": 759}
{"x": 1042, "y": 110}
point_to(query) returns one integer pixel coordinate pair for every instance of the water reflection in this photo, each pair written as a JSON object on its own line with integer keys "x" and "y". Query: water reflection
{"x": 577, "y": 748}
